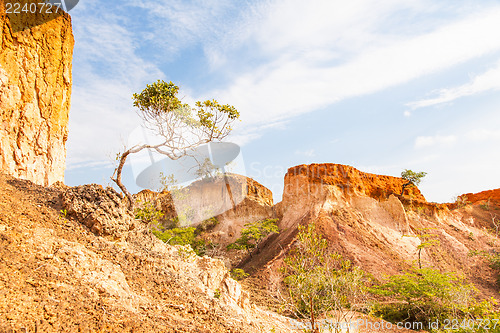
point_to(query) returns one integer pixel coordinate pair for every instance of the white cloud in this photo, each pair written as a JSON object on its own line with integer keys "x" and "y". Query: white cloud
{"x": 106, "y": 72}
{"x": 307, "y": 153}
{"x": 283, "y": 58}
{"x": 433, "y": 141}
{"x": 295, "y": 83}
{"x": 178, "y": 24}
{"x": 483, "y": 135}
{"x": 487, "y": 81}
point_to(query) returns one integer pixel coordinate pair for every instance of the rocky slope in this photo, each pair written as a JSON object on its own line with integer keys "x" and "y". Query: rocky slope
{"x": 35, "y": 91}
{"x": 74, "y": 260}
{"x": 366, "y": 220}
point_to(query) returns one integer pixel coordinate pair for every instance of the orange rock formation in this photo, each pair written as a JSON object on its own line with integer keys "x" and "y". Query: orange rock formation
{"x": 35, "y": 91}
{"x": 348, "y": 179}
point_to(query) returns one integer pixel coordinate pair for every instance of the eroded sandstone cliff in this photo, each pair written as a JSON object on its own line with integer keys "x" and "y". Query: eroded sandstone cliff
{"x": 364, "y": 218}
{"x": 35, "y": 90}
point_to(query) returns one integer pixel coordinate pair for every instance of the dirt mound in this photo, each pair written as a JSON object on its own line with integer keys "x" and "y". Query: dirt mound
{"x": 103, "y": 211}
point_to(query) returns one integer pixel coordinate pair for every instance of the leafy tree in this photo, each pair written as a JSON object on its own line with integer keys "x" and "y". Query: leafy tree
{"x": 253, "y": 234}
{"x": 180, "y": 127}
{"x": 424, "y": 295}
{"x": 412, "y": 178}
{"x": 318, "y": 281}
{"x": 426, "y": 240}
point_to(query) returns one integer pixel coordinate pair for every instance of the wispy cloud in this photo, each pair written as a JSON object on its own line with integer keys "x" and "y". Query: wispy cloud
{"x": 107, "y": 71}
{"x": 296, "y": 82}
{"x": 175, "y": 25}
{"x": 487, "y": 81}
{"x": 433, "y": 141}
{"x": 481, "y": 135}
{"x": 307, "y": 153}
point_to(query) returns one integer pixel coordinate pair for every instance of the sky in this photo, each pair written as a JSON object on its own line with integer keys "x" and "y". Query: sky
{"x": 382, "y": 86}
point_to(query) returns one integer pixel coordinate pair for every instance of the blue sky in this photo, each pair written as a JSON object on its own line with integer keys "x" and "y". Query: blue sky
{"x": 379, "y": 85}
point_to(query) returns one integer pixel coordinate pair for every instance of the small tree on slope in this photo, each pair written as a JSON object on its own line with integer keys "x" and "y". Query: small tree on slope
{"x": 318, "y": 281}
{"x": 180, "y": 127}
{"x": 412, "y": 178}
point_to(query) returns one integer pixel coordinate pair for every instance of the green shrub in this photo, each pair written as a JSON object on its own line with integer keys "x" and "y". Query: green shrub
{"x": 183, "y": 236}
{"x": 207, "y": 225}
{"x": 424, "y": 295}
{"x": 148, "y": 213}
{"x": 253, "y": 234}
{"x": 238, "y": 274}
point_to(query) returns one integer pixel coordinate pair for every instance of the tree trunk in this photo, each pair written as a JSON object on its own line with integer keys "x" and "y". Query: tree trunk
{"x": 118, "y": 180}
{"x": 313, "y": 320}
{"x": 404, "y": 186}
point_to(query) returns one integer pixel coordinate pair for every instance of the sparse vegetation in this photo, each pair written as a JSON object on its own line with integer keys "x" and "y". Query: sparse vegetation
{"x": 171, "y": 232}
{"x": 238, "y": 274}
{"x": 462, "y": 201}
{"x": 253, "y": 234}
{"x": 318, "y": 281}
{"x": 496, "y": 223}
{"x": 207, "y": 170}
{"x": 424, "y": 295}
{"x": 493, "y": 259}
{"x": 486, "y": 205}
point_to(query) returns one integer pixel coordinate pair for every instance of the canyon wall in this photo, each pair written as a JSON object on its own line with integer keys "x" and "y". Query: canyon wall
{"x": 35, "y": 91}
{"x": 365, "y": 218}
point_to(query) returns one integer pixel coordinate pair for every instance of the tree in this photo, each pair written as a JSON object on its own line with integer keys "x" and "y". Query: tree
{"x": 253, "y": 234}
{"x": 423, "y": 295}
{"x": 318, "y": 281}
{"x": 179, "y": 127}
{"x": 412, "y": 178}
{"x": 426, "y": 240}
